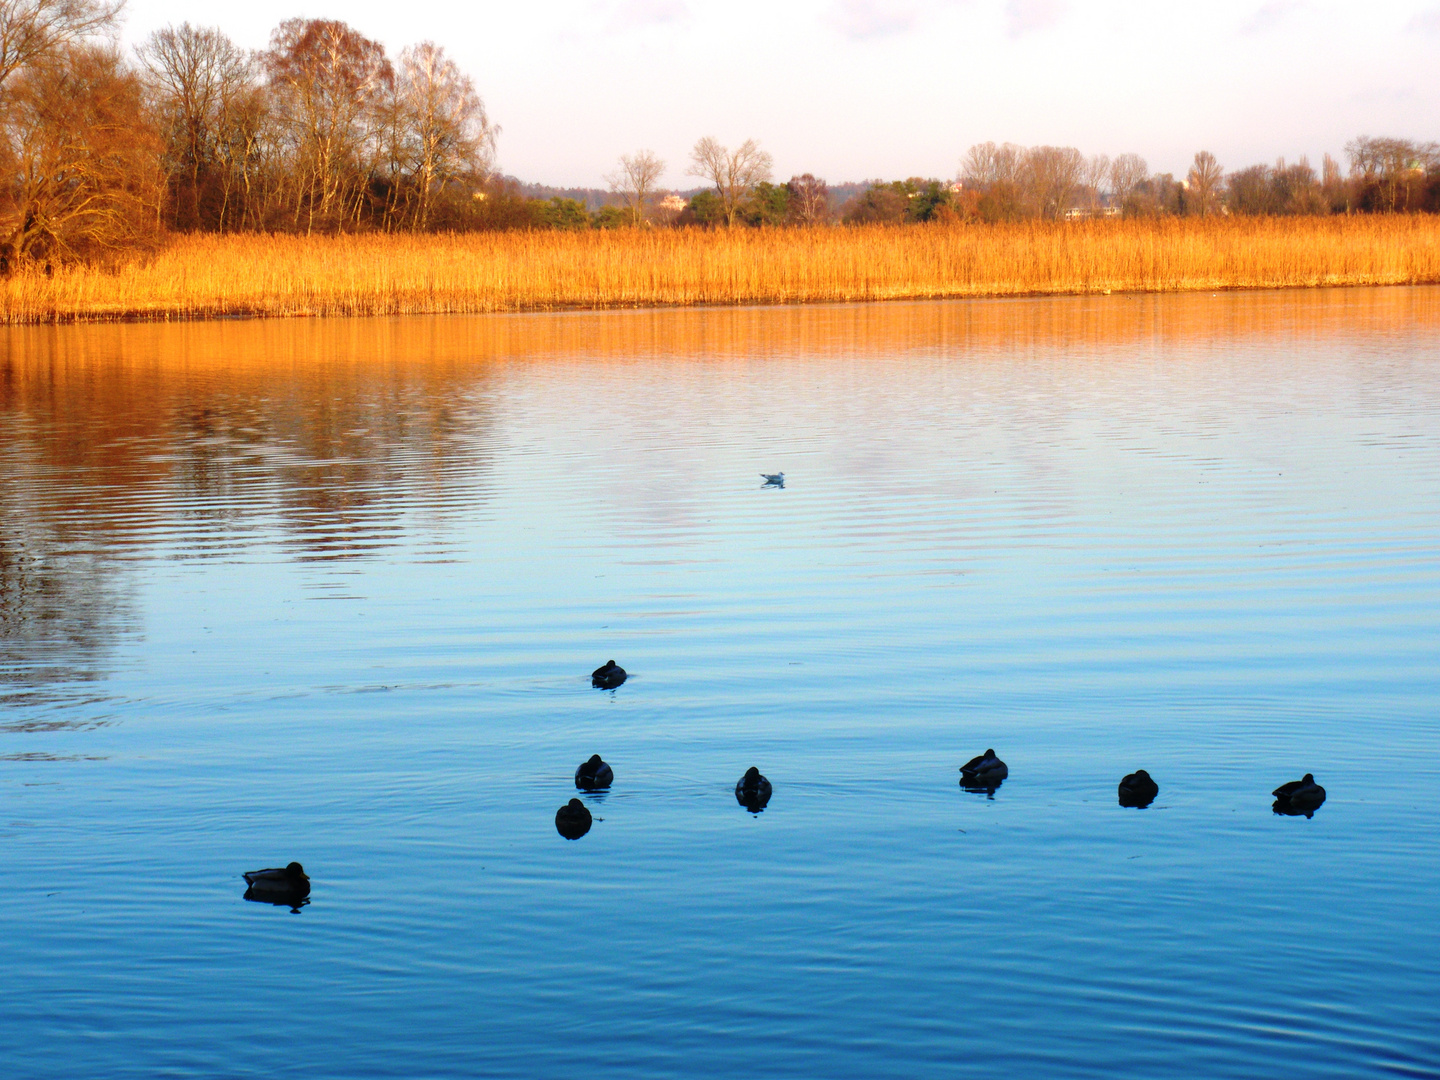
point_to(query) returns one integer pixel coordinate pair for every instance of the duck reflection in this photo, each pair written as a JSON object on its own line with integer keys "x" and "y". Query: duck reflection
{"x": 573, "y": 820}
{"x": 284, "y": 886}
{"x": 976, "y": 787}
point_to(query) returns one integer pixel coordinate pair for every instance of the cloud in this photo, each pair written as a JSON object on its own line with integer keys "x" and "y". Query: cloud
{"x": 863, "y": 19}
{"x": 1269, "y": 16}
{"x": 635, "y": 14}
{"x": 1031, "y": 16}
{"x": 1426, "y": 22}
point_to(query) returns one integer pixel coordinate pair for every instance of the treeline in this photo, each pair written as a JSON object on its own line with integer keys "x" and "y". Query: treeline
{"x": 324, "y": 131}
{"x": 1007, "y": 183}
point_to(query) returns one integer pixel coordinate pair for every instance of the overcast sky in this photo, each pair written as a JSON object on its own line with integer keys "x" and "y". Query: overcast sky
{"x": 854, "y": 89}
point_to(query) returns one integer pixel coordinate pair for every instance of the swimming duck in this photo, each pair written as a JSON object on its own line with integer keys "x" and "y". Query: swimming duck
{"x": 280, "y": 884}
{"x": 778, "y": 479}
{"x": 752, "y": 790}
{"x": 594, "y": 775}
{"x": 608, "y": 677}
{"x": 1303, "y": 794}
{"x": 1138, "y": 789}
{"x": 572, "y": 820}
{"x": 987, "y": 770}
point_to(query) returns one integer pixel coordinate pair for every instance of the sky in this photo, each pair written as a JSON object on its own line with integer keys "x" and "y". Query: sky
{"x": 860, "y": 89}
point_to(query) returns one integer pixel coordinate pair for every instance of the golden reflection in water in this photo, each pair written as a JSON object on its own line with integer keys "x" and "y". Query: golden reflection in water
{"x": 310, "y": 350}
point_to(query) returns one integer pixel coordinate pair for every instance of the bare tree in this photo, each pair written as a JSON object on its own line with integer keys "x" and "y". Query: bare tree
{"x": 1332, "y": 186}
{"x": 30, "y": 29}
{"x": 995, "y": 173}
{"x": 330, "y": 83}
{"x": 635, "y": 182}
{"x": 81, "y": 165}
{"x": 734, "y": 173}
{"x": 809, "y": 200}
{"x": 1097, "y": 173}
{"x": 1204, "y": 179}
{"x": 988, "y": 164}
{"x": 443, "y": 122}
{"x": 1389, "y": 169}
{"x": 1052, "y": 174}
{"x": 1127, "y": 172}
{"x": 196, "y": 75}
{"x": 251, "y": 157}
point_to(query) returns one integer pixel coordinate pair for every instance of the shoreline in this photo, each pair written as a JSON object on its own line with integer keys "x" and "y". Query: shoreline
{"x": 163, "y": 317}
{"x": 199, "y": 278}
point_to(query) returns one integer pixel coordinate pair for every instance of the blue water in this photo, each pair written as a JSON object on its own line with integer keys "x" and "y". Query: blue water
{"x": 331, "y": 591}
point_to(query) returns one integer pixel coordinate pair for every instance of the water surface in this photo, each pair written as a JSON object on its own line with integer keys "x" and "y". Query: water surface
{"x": 331, "y": 591}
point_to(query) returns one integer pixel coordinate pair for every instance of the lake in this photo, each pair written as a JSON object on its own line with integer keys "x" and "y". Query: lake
{"x": 331, "y": 591}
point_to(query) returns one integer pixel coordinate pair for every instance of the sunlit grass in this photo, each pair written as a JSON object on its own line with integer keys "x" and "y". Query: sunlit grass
{"x": 207, "y": 276}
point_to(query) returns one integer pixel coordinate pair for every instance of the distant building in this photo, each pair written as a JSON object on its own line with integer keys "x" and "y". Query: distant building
{"x": 1080, "y": 213}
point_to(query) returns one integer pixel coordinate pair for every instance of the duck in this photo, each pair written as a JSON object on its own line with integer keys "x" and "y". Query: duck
{"x": 778, "y": 479}
{"x": 609, "y": 676}
{"x": 572, "y": 820}
{"x": 285, "y": 883}
{"x": 987, "y": 770}
{"x": 1138, "y": 789}
{"x": 594, "y": 775}
{"x": 1301, "y": 794}
{"x": 752, "y": 790}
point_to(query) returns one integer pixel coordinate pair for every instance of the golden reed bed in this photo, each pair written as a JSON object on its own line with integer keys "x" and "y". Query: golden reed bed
{"x": 208, "y": 276}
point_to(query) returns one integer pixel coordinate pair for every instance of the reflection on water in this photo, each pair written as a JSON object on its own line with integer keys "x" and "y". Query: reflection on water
{"x": 125, "y": 431}
{"x": 63, "y": 611}
{"x": 331, "y": 588}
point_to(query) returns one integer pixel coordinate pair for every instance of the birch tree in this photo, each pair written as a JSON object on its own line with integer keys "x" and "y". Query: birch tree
{"x": 444, "y": 122}
{"x": 733, "y": 172}
{"x": 635, "y": 181}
